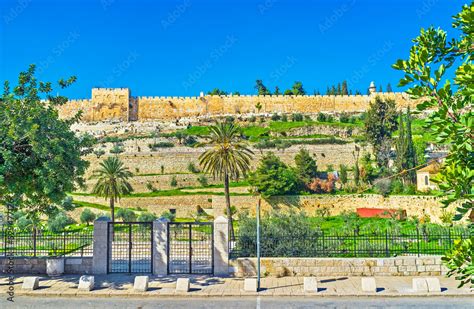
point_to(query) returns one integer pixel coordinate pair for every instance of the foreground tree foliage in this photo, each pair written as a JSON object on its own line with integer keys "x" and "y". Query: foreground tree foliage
{"x": 432, "y": 57}
{"x": 112, "y": 181}
{"x": 229, "y": 158}
{"x": 40, "y": 156}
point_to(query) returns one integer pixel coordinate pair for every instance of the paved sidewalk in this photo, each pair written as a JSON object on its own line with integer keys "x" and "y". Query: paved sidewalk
{"x": 203, "y": 286}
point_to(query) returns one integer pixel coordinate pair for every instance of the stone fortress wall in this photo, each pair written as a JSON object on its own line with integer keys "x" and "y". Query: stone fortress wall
{"x": 117, "y": 104}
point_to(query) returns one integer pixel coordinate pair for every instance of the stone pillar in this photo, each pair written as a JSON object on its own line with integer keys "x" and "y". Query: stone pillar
{"x": 99, "y": 259}
{"x": 221, "y": 246}
{"x": 160, "y": 246}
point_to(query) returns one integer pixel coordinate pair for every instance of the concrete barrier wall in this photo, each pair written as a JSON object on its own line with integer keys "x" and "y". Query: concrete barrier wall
{"x": 396, "y": 266}
{"x": 37, "y": 266}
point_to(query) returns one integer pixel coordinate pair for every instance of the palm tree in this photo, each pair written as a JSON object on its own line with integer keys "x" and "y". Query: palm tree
{"x": 112, "y": 181}
{"x": 228, "y": 158}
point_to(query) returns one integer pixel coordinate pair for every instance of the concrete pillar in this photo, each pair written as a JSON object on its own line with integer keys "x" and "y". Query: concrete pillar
{"x": 99, "y": 259}
{"x": 160, "y": 246}
{"x": 221, "y": 246}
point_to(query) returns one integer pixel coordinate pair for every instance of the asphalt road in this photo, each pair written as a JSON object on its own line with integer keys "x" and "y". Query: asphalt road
{"x": 255, "y": 302}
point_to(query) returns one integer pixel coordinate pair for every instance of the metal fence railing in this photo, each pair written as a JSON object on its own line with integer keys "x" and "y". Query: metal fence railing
{"x": 40, "y": 243}
{"x": 323, "y": 244}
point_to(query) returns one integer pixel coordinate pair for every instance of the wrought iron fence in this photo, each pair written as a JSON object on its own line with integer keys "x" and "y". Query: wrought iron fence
{"x": 41, "y": 243}
{"x": 356, "y": 244}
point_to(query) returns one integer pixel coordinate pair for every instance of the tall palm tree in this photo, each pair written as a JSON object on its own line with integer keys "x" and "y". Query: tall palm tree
{"x": 112, "y": 181}
{"x": 229, "y": 158}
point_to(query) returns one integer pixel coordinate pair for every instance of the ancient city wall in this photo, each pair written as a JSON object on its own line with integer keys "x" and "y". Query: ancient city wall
{"x": 105, "y": 104}
{"x": 117, "y": 104}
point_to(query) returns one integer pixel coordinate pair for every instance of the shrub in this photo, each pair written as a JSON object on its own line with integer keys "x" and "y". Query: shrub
{"x": 297, "y": 117}
{"x": 396, "y": 187}
{"x": 318, "y": 185}
{"x": 190, "y": 141}
{"x": 168, "y": 215}
{"x": 146, "y": 217}
{"x": 59, "y": 222}
{"x": 275, "y": 117}
{"x": 126, "y": 214}
{"x": 192, "y": 168}
{"x": 180, "y": 135}
{"x": 174, "y": 181}
{"x": 278, "y": 229}
{"x": 87, "y": 216}
{"x": 383, "y": 186}
{"x": 330, "y": 168}
{"x": 409, "y": 189}
{"x": 252, "y": 119}
{"x": 24, "y": 223}
{"x": 99, "y": 153}
{"x": 321, "y": 117}
{"x": 116, "y": 149}
{"x": 203, "y": 180}
{"x": 104, "y": 215}
{"x": 150, "y": 187}
{"x": 351, "y": 220}
{"x": 284, "y": 118}
{"x": 323, "y": 212}
{"x": 446, "y": 216}
{"x": 344, "y": 118}
{"x": 307, "y": 118}
{"x": 161, "y": 145}
{"x": 343, "y": 173}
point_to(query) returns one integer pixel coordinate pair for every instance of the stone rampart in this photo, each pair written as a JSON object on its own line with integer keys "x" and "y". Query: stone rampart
{"x": 116, "y": 104}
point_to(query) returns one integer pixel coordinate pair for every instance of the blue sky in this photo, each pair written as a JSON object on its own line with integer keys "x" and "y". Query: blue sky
{"x": 179, "y": 48}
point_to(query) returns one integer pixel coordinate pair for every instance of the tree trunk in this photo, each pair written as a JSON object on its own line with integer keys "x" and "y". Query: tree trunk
{"x": 112, "y": 209}
{"x": 227, "y": 202}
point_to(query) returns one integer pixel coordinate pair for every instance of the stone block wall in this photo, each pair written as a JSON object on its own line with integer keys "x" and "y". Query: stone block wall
{"x": 414, "y": 205}
{"x": 37, "y": 266}
{"x": 322, "y": 267}
{"x": 117, "y": 104}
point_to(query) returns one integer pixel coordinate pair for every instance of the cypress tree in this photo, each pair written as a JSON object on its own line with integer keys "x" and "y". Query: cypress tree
{"x": 406, "y": 154}
{"x": 389, "y": 88}
{"x": 401, "y": 146}
{"x": 277, "y": 91}
{"x": 411, "y": 152}
{"x": 344, "y": 88}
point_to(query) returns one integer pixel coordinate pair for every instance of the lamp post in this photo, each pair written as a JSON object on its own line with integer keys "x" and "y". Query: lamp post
{"x": 258, "y": 243}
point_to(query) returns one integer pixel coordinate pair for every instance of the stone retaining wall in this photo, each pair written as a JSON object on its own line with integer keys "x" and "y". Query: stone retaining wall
{"x": 415, "y": 205}
{"x": 37, "y": 266}
{"x": 396, "y": 266}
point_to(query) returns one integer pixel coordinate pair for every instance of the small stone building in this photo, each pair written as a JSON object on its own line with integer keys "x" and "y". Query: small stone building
{"x": 424, "y": 177}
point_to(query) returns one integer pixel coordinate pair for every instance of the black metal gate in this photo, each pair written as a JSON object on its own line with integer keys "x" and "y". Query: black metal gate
{"x": 190, "y": 248}
{"x": 130, "y": 247}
